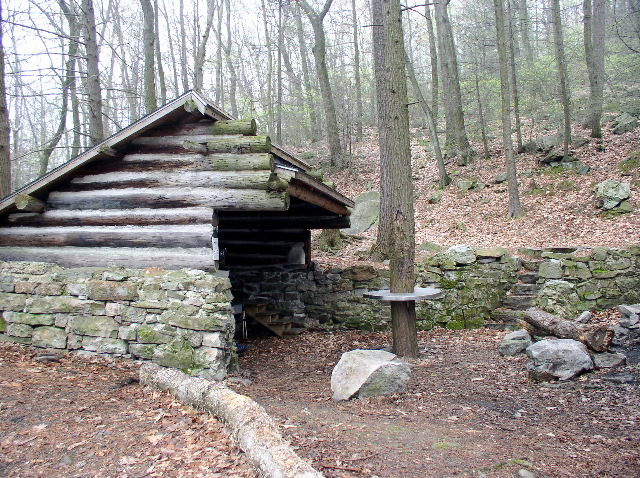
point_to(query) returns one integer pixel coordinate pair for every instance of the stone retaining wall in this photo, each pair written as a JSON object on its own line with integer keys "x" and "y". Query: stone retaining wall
{"x": 179, "y": 319}
{"x": 578, "y": 280}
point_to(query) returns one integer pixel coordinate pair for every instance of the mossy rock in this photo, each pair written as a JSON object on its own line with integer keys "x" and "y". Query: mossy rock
{"x": 175, "y": 354}
{"x": 630, "y": 165}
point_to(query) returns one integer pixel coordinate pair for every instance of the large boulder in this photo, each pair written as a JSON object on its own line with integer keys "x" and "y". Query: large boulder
{"x": 558, "y": 359}
{"x": 515, "y": 343}
{"x": 367, "y": 373}
{"x": 365, "y": 214}
{"x": 543, "y": 143}
{"x": 612, "y": 193}
{"x": 624, "y": 123}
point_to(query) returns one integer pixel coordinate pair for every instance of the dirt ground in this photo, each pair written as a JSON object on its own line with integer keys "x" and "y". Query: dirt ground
{"x": 79, "y": 417}
{"x": 467, "y": 412}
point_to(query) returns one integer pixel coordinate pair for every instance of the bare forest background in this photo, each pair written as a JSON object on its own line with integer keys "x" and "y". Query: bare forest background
{"x": 76, "y": 71}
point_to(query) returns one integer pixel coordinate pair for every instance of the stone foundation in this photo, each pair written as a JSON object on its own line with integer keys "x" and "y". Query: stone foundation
{"x": 179, "y": 319}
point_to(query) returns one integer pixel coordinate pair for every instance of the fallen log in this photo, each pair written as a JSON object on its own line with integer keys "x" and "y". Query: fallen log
{"x": 542, "y": 324}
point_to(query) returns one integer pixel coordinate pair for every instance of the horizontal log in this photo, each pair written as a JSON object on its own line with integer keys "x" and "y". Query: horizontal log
{"x": 213, "y": 143}
{"x": 24, "y": 202}
{"x": 258, "y": 221}
{"x": 290, "y": 235}
{"x": 226, "y": 199}
{"x": 543, "y": 324}
{"x": 135, "y": 258}
{"x": 243, "y": 127}
{"x": 189, "y": 236}
{"x": 187, "y": 129}
{"x": 262, "y": 179}
{"x": 174, "y": 162}
{"x": 317, "y": 199}
{"x": 113, "y": 217}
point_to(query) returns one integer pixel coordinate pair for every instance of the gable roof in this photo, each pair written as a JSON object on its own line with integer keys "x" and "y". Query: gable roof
{"x": 187, "y": 108}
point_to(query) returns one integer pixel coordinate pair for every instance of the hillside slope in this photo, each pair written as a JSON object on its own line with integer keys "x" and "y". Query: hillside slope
{"x": 560, "y": 204}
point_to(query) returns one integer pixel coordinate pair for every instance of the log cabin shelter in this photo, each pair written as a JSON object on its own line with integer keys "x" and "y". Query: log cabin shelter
{"x": 187, "y": 186}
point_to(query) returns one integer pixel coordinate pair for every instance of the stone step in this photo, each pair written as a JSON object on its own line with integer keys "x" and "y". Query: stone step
{"x": 531, "y": 264}
{"x": 518, "y": 302}
{"x": 529, "y": 277}
{"x": 506, "y": 316}
{"x": 524, "y": 289}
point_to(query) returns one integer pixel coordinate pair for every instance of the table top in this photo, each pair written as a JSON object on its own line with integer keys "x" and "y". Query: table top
{"x": 419, "y": 293}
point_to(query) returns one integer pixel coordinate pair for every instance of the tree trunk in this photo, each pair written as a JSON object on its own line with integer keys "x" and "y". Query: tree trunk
{"x": 93, "y": 88}
{"x": 183, "y": 50}
{"x": 444, "y": 178}
{"x": 514, "y": 208}
{"x": 562, "y": 74}
{"x": 483, "y": 126}
{"x": 269, "y": 80}
{"x": 542, "y": 324}
{"x": 449, "y": 62}
{"x": 319, "y": 51}
{"x": 233, "y": 77}
{"x": 201, "y": 51}
{"x": 514, "y": 78}
{"x": 356, "y": 70}
{"x": 594, "y": 39}
{"x": 306, "y": 78}
{"x": 433, "y": 54}
{"x": 148, "y": 41}
{"x": 395, "y": 159}
{"x": 5, "y": 152}
{"x": 161, "y": 80}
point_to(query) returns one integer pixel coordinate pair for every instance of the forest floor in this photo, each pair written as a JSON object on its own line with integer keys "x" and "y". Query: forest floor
{"x": 79, "y": 416}
{"x": 467, "y": 412}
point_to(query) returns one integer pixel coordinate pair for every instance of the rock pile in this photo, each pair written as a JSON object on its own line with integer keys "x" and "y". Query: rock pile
{"x": 591, "y": 348}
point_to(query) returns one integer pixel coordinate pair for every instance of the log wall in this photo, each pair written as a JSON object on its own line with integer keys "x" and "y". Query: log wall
{"x": 154, "y": 204}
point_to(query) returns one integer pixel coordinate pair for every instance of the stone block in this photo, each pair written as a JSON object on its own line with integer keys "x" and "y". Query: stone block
{"x": 127, "y": 332}
{"x": 213, "y": 339}
{"x": 74, "y": 342}
{"x": 63, "y": 304}
{"x": 10, "y": 301}
{"x": 103, "y": 345}
{"x": 176, "y": 354}
{"x": 95, "y": 326}
{"x": 189, "y": 317}
{"x": 49, "y": 337}
{"x": 132, "y": 314}
{"x": 19, "y": 330}
{"x": 193, "y": 337}
{"x": 609, "y": 360}
{"x": 359, "y": 273}
{"x": 143, "y": 351}
{"x": 460, "y": 254}
{"x": 550, "y": 269}
{"x": 208, "y": 357}
{"x": 49, "y": 288}
{"x": 111, "y": 290}
{"x": 24, "y": 287}
{"x": 77, "y": 289}
{"x": 29, "y": 319}
{"x": 155, "y": 334}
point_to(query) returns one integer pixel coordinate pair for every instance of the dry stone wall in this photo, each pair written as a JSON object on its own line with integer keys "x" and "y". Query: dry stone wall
{"x": 179, "y": 318}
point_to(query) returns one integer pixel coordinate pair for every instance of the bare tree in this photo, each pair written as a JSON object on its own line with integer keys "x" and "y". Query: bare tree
{"x": 433, "y": 54}
{"x": 306, "y": 78}
{"x": 356, "y": 71}
{"x": 562, "y": 73}
{"x": 93, "y": 88}
{"x": 319, "y": 51}
{"x": 201, "y": 50}
{"x": 149, "y": 37}
{"x": 451, "y": 84}
{"x": 594, "y": 38}
{"x": 514, "y": 208}
{"x": 395, "y": 160}
{"x": 5, "y": 151}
